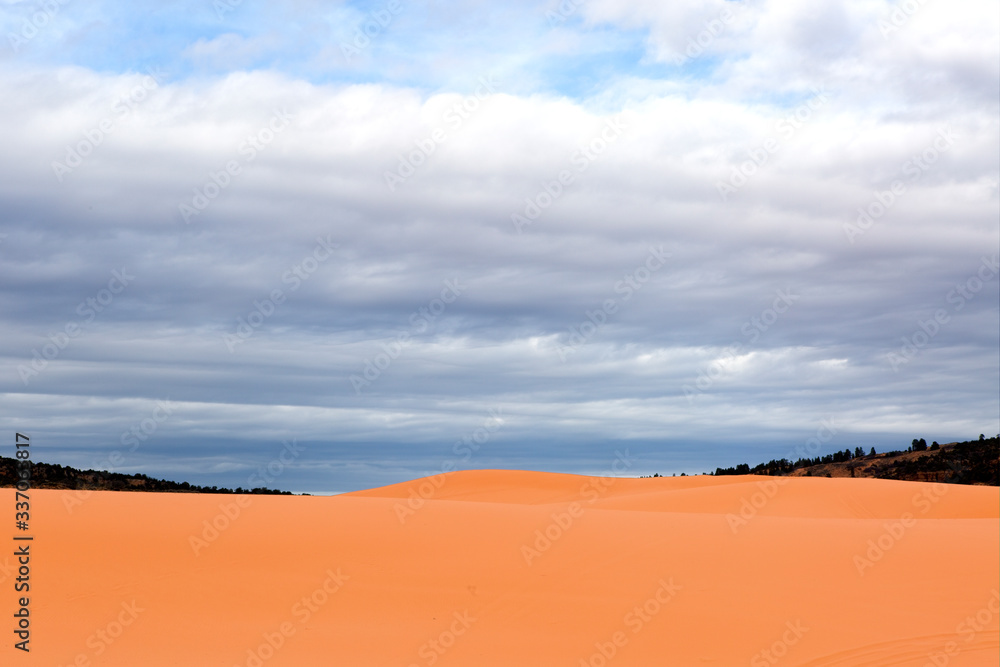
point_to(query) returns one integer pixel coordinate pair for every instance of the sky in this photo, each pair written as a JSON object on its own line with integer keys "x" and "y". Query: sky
{"x": 328, "y": 246}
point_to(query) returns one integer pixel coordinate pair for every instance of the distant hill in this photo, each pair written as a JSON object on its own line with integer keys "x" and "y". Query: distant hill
{"x": 55, "y": 476}
{"x": 970, "y": 462}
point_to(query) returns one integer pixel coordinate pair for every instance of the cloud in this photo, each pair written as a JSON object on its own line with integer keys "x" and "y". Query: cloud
{"x": 296, "y": 267}
{"x": 229, "y": 51}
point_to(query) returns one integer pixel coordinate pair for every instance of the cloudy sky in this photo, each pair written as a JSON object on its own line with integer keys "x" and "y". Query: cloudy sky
{"x": 365, "y": 242}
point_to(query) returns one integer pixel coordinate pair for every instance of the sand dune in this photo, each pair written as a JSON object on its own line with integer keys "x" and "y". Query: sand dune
{"x": 500, "y": 568}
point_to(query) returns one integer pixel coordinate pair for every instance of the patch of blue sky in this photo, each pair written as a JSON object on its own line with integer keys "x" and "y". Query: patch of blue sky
{"x": 584, "y": 75}
{"x": 425, "y": 45}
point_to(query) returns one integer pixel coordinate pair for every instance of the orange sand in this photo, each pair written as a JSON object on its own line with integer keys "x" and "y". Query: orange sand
{"x": 659, "y": 571}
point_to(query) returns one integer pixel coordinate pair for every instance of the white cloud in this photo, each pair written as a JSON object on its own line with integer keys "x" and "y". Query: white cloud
{"x": 230, "y": 51}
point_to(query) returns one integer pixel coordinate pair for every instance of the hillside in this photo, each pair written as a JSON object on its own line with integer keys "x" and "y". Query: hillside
{"x": 55, "y": 476}
{"x": 970, "y": 462}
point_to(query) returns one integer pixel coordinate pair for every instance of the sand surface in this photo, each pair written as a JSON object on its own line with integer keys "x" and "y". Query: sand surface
{"x": 503, "y": 568}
